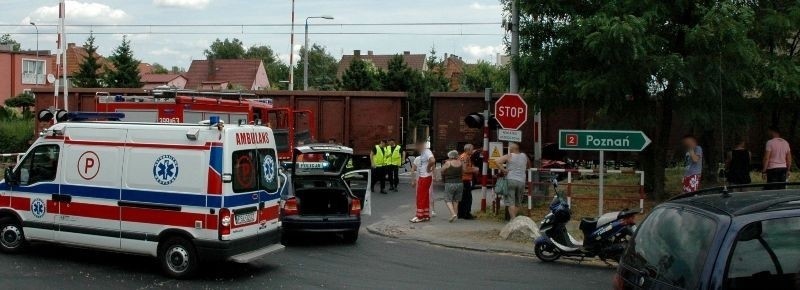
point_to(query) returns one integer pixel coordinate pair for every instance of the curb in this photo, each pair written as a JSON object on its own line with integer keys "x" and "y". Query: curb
{"x": 448, "y": 245}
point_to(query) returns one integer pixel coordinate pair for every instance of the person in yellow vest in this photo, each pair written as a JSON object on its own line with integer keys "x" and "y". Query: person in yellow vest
{"x": 378, "y": 158}
{"x": 394, "y": 159}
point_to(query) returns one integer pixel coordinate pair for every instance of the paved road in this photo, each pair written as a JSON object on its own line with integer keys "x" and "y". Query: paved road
{"x": 323, "y": 262}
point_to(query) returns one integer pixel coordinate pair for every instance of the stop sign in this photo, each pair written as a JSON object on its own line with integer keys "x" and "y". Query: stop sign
{"x": 511, "y": 111}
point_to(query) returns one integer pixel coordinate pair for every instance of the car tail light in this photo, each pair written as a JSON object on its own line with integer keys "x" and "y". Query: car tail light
{"x": 290, "y": 206}
{"x": 355, "y": 207}
{"x": 224, "y": 224}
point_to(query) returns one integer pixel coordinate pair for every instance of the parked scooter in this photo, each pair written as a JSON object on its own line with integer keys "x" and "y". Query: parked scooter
{"x": 605, "y": 237}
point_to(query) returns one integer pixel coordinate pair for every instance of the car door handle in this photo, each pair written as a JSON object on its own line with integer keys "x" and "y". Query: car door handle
{"x": 62, "y": 198}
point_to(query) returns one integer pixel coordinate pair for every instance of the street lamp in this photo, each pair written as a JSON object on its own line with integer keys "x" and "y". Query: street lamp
{"x": 37, "y": 51}
{"x": 305, "y": 53}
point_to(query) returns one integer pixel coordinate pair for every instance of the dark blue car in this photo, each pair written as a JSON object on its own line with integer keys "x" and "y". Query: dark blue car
{"x": 713, "y": 239}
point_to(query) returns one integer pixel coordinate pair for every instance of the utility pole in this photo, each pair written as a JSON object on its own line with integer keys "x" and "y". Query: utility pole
{"x": 291, "y": 53}
{"x": 305, "y": 51}
{"x": 514, "y": 78}
{"x": 63, "y": 13}
{"x": 37, "y": 53}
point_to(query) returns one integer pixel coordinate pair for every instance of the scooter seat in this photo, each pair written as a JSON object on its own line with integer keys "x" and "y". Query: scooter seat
{"x": 588, "y": 224}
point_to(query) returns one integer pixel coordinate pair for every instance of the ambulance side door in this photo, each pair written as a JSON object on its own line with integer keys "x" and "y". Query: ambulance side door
{"x": 36, "y": 196}
{"x": 90, "y": 215}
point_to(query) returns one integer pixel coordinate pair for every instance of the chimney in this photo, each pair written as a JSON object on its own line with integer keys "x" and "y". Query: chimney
{"x": 406, "y": 52}
{"x": 357, "y": 52}
{"x": 70, "y": 45}
{"x": 212, "y": 71}
{"x": 369, "y": 52}
{"x": 445, "y": 55}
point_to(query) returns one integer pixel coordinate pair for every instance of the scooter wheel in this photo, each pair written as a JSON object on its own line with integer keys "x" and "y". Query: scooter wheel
{"x": 546, "y": 252}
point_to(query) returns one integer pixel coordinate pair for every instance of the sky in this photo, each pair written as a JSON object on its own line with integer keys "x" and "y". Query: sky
{"x": 157, "y": 41}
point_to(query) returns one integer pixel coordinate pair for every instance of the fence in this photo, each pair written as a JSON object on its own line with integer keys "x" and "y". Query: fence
{"x": 570, "y": 183}
{"x": 14, "y": 156}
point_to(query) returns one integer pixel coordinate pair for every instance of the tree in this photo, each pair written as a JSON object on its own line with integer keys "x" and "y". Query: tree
{"x": 125, "y": 73}
{"x": 776, "y": 31}
{"x": 6, "y": 39}
{"x": 321, "y": 68}
{"x": 637, "y": 63}
{"x": 159, "y": 69}
{"x": 23, "y": 101}
{"x": 276, "y": 70}
{"x": 177, "y": 70}
{"x": 226, "y": 49}
{"x": 361, "y": 75}
{"x": 87, "y": 75}
{"x": 484, "y": 75}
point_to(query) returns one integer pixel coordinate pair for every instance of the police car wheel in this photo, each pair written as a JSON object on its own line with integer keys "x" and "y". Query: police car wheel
{"x": 350, "y": 237}
{"x": 178, "y": 257}
{"x": 12, "y": 238}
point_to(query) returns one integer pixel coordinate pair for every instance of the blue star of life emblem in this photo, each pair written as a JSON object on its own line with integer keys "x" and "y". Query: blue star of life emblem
{"x": 268, "y": 167}
{"x": 38, "y": 208}
{"x": 165, "y": 169}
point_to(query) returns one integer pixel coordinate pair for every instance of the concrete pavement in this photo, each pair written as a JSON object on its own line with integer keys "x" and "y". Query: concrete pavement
{"x": 477, "y": 235}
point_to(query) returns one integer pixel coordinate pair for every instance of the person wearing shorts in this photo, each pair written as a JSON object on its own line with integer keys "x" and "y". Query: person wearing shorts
{"x": 516, "y": 167}
{"x": 452, "y": 170}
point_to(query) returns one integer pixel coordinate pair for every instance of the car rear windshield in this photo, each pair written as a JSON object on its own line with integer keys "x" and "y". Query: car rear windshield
{"x": 672, "y": 245}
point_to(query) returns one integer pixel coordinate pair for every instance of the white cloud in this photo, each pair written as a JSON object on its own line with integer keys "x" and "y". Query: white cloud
{"x": 191, "y": 4}
{"x": 78, "y": 12}
{"x": 479, "y": 6}
{"x": 481, "y": 52}
{"x": 165, "y": 51}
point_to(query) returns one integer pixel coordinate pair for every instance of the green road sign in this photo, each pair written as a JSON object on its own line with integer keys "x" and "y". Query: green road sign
{"x": 602, "y": 140}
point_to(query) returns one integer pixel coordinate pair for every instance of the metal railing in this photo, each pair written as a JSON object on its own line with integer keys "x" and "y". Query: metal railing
{"x": 570, "y": 183}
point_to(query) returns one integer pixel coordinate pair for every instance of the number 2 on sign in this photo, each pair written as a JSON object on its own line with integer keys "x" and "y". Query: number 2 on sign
{"x": 572, "y": 140}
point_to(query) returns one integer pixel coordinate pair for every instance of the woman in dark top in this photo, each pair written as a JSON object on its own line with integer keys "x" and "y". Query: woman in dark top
{"x": 738, "y": 164}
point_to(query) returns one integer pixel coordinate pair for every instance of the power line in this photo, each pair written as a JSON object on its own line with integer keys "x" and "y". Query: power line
{"x": 264, "y": 33}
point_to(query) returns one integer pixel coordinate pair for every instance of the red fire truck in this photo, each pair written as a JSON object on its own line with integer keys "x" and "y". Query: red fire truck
{"x": 289, "y": 126}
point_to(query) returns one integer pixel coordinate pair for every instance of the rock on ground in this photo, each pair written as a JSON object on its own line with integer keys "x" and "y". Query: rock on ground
{"x": 520, "y": 228}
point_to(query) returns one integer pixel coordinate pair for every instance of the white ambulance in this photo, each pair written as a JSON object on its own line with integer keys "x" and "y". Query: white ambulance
{"x": 181, "y": 193}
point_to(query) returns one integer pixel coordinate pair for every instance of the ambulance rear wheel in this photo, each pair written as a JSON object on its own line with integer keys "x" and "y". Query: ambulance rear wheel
{"x": 12, "y": 238}
{"x": 178, "y": 257}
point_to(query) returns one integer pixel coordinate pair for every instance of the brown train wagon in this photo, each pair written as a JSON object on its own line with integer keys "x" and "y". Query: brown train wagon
{"x": 357, "y": 119}
{"x": 354, "y": 118}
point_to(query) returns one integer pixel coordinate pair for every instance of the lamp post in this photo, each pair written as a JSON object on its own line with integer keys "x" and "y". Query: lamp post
{"x": 305, "y": 53}
{"x": 37, "y": 51}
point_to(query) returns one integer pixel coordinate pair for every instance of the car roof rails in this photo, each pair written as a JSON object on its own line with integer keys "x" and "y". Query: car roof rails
{"x": 726, "y": 190}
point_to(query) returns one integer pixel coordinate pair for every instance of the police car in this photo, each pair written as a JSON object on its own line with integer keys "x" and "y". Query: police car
{"x": 182, "y": 193}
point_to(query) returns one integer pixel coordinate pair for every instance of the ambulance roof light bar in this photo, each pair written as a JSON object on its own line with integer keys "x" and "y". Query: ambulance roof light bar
{"x": 84, "y": 116}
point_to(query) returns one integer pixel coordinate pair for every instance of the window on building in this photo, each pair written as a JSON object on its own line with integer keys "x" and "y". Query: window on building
{"x": 33, "y": 72}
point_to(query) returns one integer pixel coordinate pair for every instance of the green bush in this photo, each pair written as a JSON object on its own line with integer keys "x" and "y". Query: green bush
{"x": 15, "y": 134}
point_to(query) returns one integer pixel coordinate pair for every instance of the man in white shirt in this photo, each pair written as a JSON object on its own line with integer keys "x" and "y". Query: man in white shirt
{"x": 423, "y": 181}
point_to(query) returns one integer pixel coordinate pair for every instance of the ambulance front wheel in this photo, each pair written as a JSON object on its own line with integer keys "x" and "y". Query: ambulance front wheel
{"x": 178, "y": 257}
{"x": 12, "y": 238}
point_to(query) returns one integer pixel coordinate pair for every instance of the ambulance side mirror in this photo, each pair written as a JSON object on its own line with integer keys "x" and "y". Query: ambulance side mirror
{"x": 9, "y": 177}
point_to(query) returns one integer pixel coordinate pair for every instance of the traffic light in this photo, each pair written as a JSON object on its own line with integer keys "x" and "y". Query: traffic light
{"x": 475, "y": 120}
